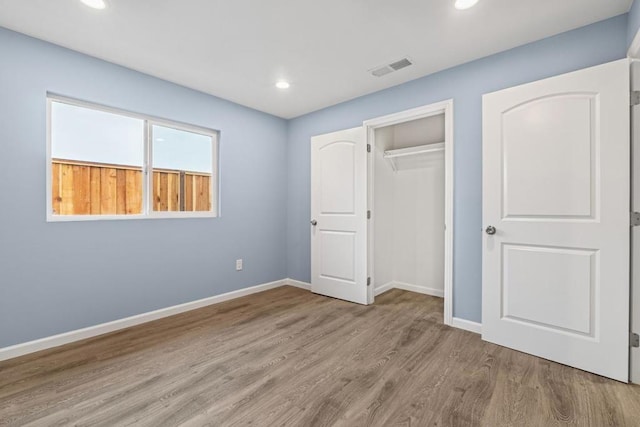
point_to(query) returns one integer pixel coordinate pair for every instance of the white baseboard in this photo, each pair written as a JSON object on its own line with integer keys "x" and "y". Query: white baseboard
{"x": 93, "y": 331}
{"x": 384, "y": 288}
{"x": 298, "y": 284}
{"x": 467, "y": 325}
{"x": 408, "y": 287}
{"x": 419, "y": 289}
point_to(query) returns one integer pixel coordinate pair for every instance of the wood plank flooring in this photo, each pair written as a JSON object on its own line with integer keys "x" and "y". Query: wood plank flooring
{"x": 289, "y": 357}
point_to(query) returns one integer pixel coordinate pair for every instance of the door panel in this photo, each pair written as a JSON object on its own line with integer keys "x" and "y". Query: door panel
{"x": 531, "y": 280}
{"x": 337, "y": 180}
{"x": 556, "y": 188}
{"x": 560, "y": 154}
{"x": 339, "y": 207}
{"x": 337, "y": 255}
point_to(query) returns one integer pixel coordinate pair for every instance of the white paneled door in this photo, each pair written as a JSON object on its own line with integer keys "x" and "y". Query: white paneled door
{"x": 339, "y": 215}
{"x": 556, "y": 185}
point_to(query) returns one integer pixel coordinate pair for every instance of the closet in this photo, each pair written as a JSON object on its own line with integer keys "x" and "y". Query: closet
{"x": 409, "y": 206}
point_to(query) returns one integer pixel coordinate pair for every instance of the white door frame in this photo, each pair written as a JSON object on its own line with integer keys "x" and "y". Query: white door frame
{"x": 634, "y": 353}
{"x": 634, "y": 306}
{"x": 370, "y": 126}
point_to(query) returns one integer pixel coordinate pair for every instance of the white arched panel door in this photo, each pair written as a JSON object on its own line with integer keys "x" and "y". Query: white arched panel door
{"x": 339, "y": 215}
{"x": 556, "y": 183}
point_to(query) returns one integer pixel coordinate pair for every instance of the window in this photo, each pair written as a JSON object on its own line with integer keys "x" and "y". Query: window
{"x": 110, "y": 164}
{"x": 182, "y": 170}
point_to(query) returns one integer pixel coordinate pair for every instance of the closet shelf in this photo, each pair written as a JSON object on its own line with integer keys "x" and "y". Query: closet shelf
{"x": 414, "y": 153}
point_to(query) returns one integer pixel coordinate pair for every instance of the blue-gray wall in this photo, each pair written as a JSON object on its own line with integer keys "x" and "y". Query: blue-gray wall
{"x": 57, "y": 277}
{"x": 633, "y": 23}
{"x": 595, "y": 44}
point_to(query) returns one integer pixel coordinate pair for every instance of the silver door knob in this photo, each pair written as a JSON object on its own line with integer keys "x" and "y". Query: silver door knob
{"x": 490, "y": 230}
{"x": 314, "y": 222}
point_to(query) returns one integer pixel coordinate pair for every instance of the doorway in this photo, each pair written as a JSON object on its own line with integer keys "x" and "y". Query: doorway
{"x": 410, "y": 199}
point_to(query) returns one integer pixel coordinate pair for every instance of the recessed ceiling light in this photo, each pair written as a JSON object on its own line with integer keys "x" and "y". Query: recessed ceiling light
{"x": 282, "y": 84}
{"x": 96, "y": 4}
{"x": 160, "y": 139}
{"x": 465, "y": 4}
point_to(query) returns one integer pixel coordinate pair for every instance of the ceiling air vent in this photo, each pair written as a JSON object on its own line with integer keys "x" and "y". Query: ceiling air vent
{"x": 390, "y": 68}
{"x": 398, "y": 65}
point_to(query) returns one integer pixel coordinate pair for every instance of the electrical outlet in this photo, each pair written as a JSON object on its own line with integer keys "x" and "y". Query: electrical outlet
{"x": 238, "y": 264}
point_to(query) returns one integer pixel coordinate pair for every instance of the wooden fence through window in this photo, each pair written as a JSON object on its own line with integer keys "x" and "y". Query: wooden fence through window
{"x": 87, "y": 188}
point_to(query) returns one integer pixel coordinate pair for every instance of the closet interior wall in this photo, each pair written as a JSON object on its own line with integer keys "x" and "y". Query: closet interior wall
{"x": 409, "y": 208}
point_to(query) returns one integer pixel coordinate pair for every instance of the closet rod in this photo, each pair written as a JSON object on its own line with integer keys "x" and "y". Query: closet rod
{"x": 412, "y": 151}
{"x": 421, "y": 150}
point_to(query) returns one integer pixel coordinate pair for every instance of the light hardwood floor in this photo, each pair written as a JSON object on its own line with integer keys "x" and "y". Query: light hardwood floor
{"x": 289, "y": 357}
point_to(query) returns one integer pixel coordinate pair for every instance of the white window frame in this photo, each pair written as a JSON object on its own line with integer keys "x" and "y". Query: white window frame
{"x": 147, "y": 168}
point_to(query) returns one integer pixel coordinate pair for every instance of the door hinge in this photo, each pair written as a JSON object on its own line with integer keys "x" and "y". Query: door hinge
{"x": 635, "y": 97}
{"x": 368, "y": 214}
{"x": 368, "y": 148}
{"x": 634, "y": 219}
{"x": 634, "y": 340}
{"x": 368, "y": 281}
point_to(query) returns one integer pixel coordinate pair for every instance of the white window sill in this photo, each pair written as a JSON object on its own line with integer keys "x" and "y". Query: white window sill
{"x": 154, "y": 215}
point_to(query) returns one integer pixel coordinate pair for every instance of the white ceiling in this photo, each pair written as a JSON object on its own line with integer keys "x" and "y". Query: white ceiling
{"x": 237, "y": 49}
